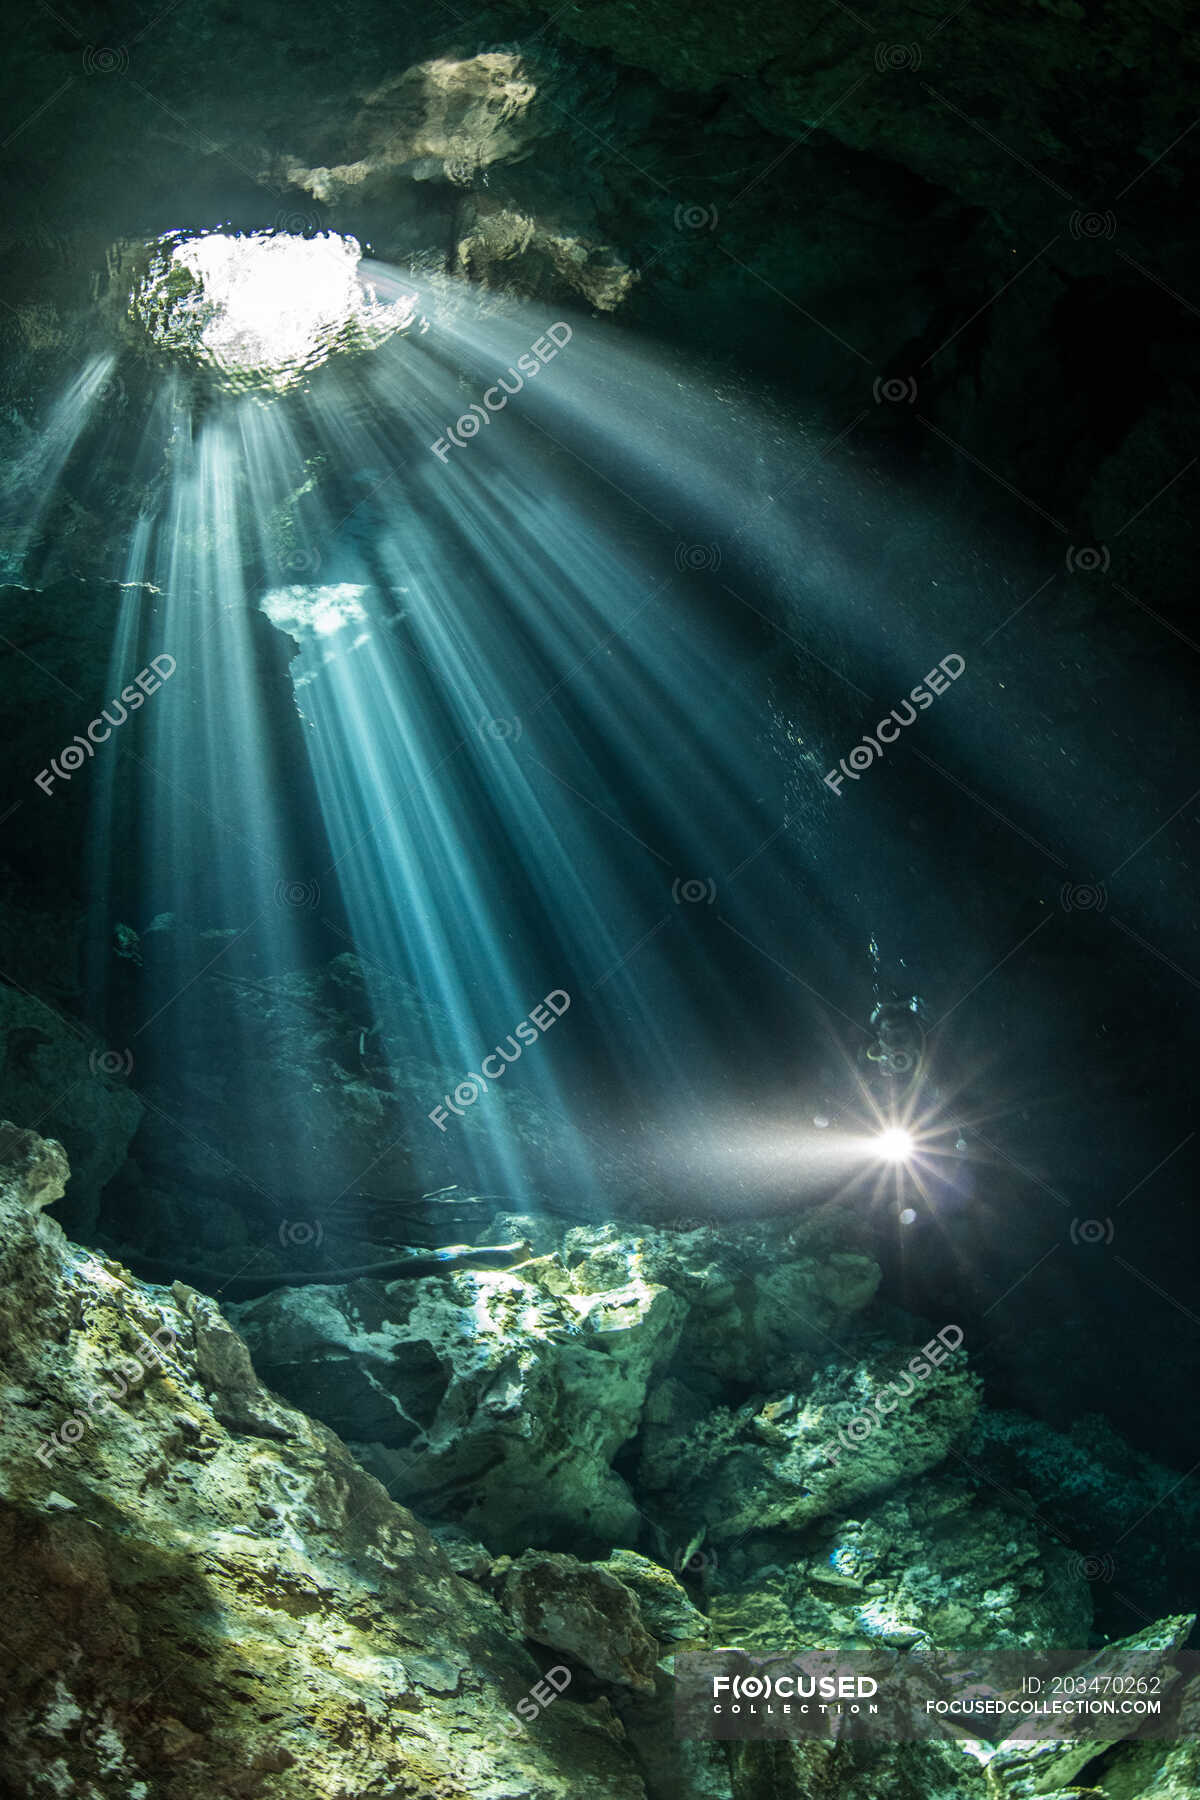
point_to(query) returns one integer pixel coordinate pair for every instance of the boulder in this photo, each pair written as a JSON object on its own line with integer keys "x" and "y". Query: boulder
{"x": 494, "y": 1399}
{"x": 763, "y": 1297}
{"x": 33, "y": 1170}
{"x": 545, "y": 1371}
{"x": 664, "y": 1602}
{"x": 777, "y": 1463}
{"x": 584, "y": 1610}
{"x": 1043, "y": 1758}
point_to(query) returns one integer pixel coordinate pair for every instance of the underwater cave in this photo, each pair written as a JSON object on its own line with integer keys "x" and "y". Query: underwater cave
{"x": 598, "y": 941}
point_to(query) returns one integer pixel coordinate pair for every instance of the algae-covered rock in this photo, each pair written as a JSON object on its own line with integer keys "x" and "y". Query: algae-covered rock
{"x": 585, "y": 1610}
{"x": 936, "y": 1563}
{"x": 1152, "y": 1772}
{"x": 245, "y": 1607}
{"x": 546, "y": 1370}
{"x": 763, "y": 1297}
{"x": 853, "y": 1431}
{"x": 33, "y": 1170}
{"x": 1044, "y": 1758}
{"x": 523, "y": 1376}
{"x": 663, "y": 1600}
{"x": 543, "y": 1372}
{"x": 197, "y": 1608}
{"x": 822, "y": 1771}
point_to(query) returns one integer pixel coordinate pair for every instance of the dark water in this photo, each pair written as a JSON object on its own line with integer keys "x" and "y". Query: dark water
{"x": 555, "y": 719}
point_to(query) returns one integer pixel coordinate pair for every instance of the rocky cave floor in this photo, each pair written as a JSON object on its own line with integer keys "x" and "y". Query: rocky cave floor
{"x": 636, "y": 1440}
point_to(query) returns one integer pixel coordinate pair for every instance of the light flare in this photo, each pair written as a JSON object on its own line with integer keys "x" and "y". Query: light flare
{"x": 266, "y": 307}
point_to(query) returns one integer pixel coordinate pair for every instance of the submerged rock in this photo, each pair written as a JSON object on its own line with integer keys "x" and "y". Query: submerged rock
{"x": 1088, "y": 1483}
{"x": 1043, "y": 1759}
{"x": 781, "y": 1462}
{"x": 663, "y": 1600}
{"x": 540, "y": 1374}
{"x": 33, "y": 1170}
{"x": 934, "y": 1564}
{"x": 762, "y": 1296}
{"x": 209, "y": 1596}
{"x": 544, "y": 1371}
{"x": 204, "y": 1605}
{"x": 515, "y": 1376}
{"x": 584, "y": 1610}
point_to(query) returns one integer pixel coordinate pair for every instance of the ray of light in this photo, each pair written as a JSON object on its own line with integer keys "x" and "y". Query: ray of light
{"x": 538, "y": 764}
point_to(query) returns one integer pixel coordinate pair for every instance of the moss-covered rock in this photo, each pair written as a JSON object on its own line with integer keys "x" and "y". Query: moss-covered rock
{"x": 525, "y": 1377}
{"x": 854, "y": 1430}
{"x": 206, "y": 1594}
{"x": 585, "y": 1610}
{"x": 935, "y": 1564}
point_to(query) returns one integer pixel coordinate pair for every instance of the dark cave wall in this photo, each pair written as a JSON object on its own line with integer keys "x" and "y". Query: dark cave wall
{"x": 983, "y": 205}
